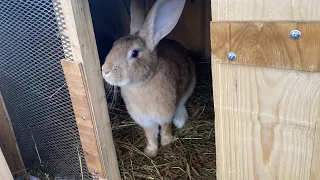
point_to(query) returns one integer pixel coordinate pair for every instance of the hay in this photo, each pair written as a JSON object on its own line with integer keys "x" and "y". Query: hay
{"x": 192, "y": 152}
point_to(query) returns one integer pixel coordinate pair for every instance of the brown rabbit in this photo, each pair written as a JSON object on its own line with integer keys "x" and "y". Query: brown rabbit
{"x": 156, "y": 77}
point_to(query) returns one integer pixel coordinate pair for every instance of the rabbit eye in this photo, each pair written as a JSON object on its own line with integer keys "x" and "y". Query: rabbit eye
{"x": 135, "y": 54}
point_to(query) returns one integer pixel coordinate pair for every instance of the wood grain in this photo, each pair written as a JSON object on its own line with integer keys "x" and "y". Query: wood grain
{"x": 77, "y": 89}
{"x": 267, "y": 44}
{"x": 8, "y": 143}
{"x": 79, "y": 31}
{"x": 5, "y": 173}
{"x": 265, "y": 10}
{"x": 265, "y": 122}
{"x": 266, "y": 118}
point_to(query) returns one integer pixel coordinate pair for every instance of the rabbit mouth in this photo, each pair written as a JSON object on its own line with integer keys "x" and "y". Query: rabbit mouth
{"x": 111, "y": 81}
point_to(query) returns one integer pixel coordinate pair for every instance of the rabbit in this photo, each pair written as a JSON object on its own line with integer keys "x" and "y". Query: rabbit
{"x": 156, "y": 76}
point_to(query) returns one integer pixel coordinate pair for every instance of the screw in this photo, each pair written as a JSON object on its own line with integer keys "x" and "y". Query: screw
{"x": 295, "y": 34}
{"x": 83, "y": 118}
{"x": 95, "y": 171}
{"x": 232, "y": 56}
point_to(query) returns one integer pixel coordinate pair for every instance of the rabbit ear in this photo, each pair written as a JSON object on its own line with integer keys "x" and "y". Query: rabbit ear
{"x": 161, "y": 20}
{"x": 137, "y": 16}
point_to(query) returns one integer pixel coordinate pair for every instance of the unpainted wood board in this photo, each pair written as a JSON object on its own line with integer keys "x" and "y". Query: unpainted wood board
{"x": 315, "y": 169}
{"x": 297, "y": 130}
{"x": 267, "y": 44}
{"x": 265, "y": 10}
{"x": 5, "y": 173}
{"x": 79, "y": 30}
{"x": 8, "y": 143}
{"x": 77, "y": 89}
{"x": 265, "y": 122}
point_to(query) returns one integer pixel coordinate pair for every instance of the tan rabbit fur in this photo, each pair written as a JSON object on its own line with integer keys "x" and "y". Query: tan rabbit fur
{"x": 156, "y": 79}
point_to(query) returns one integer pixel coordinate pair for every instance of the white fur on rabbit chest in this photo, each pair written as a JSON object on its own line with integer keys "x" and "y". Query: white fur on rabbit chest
{"x": 150, "y": 103}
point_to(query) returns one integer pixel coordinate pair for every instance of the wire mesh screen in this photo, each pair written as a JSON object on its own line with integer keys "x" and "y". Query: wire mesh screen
{"x": 34, "y": 90}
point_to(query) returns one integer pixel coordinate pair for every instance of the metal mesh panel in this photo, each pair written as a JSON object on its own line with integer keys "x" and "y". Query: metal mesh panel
{"x": 34, "y": 90}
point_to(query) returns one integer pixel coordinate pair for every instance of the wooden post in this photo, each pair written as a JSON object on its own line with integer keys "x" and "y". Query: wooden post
{"x": 8, "y": 144}
{"x": 5, "y": 173}
{"x": 267, "y": 101}
{"x": 79, "y": 30}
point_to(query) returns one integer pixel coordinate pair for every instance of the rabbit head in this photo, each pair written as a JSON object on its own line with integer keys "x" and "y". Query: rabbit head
{"x": 133, "y": 58}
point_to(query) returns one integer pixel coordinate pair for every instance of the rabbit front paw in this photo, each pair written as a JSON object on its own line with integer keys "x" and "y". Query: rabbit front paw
{"x": 151, "y": 151}
{"x": 165, "y": 140}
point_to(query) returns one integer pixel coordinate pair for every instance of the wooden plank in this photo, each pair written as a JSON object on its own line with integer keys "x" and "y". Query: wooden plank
{"x": 76, "y": 82}
{"x": 265, "y": 124}
{"x": 266, "y": 118}
{"x": 265, "y": 10}
{"x": 4, "y": 168}
{"x": 79, "y": 30}
{"x": 8, "y": 143}
{"x": 267, "y": 44}
{"x": 315, "y": 173}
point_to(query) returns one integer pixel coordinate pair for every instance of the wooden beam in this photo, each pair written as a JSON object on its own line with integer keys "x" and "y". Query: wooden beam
{"x": 267, "y": 44}
{"x": 267, "y": 119}
{"x": 79, "y": 30}
{"x": 4, "y": 168}
{"x": 8, "y": 143}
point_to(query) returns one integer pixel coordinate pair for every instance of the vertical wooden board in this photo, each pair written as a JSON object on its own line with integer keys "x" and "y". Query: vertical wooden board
{"x": 8, "y": 143}
{"x": 5, "y": 173}
{"x": 81, "y": 107}
{"x": 315, "y": 169}
{"x": 265, "y": 124}
{"x": 277, "y": 140}
{"x": 79, "y": 31}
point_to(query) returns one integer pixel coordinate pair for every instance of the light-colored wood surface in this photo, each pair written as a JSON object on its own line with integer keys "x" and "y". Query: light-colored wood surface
{"x": 77, "y": 89}
{"x": 266, "y": 118}
{"x": 265, "y": 122}
{"x": 79, "y": 30}
{"x": 265, "y": 10}
{"x": 8, "y": 143}
{"x": 267, "y": 44}
{"x": 5, "y": 173}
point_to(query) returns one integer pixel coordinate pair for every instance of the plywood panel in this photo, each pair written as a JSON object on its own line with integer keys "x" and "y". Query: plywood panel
{"x": 8, "y": 143}
{"x": 267, "y": 44}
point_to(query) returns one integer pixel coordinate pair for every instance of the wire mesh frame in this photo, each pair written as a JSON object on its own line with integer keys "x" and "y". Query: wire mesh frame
{"x": 34, "y": 88}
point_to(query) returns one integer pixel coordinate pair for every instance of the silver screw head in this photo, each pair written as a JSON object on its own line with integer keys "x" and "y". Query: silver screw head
{"x": 295, "y": 34}
{"x": 83, "y": 118}
{"x": 95, "y": 171}
{"x": 232, "y": 56}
